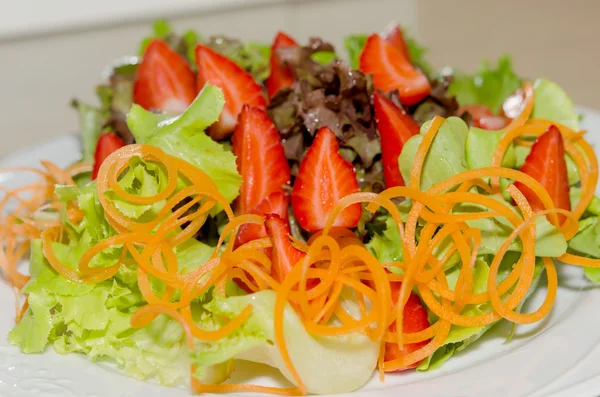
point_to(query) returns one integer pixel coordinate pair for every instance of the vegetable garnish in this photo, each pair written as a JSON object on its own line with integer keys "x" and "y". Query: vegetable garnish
{"x": 346, "y": 225}
{"x": 150, "y": 247}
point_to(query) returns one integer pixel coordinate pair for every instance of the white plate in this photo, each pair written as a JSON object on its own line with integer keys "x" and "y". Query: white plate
{"x": 558, "y": 357}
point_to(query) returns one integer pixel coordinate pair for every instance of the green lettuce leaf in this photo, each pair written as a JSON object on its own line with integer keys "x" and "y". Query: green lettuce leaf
{"x": 94, "y": 319}
{"x": 553, "y": 103}
{"x": 592, "y": 209}
{"x": 587, "y": 243}
{"x": 480, "y": 147}
{"x": 494, "y": 231}
{"x": 489, "y": 86}
{"x": 446, "y": 156}
{"x": 313, "y": 357}
{"x": 386, "y": 247}
{"x": 183, "y": 136}
{"x": 459, "y": 338}
{"x": 354, "y": 45}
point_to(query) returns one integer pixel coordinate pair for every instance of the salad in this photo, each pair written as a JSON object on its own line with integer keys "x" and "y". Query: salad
{"x": 281, "y": 205}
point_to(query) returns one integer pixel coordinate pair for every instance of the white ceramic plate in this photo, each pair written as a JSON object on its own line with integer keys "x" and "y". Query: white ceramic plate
{"x": 557, "y": 357}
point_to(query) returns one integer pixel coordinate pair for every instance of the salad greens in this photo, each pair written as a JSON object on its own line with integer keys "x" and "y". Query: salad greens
{"x": 553, "y": 103}
{"x": 95, "y": 319}
{"x": 183, "y": 136}
{"x": 445, "y": 157}
{"x": 489, "y": 86}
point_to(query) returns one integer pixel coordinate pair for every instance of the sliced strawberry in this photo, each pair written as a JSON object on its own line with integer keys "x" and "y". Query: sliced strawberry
{"x": 107, "y": 144}
{"x": 164, "y": 80}
{"x": 414, "y": 320}
{"x": 484, "y": 118}
{"x": 260, "y": 160}
{"x": 324, "y": 178}
{"x": 392, "y": 71}
{"x": 546, "y": 164}
{"x": 395, "y": 127}
{"x": 285, "y": 255}
{"x": 395, "y": 37}
{"x": 280, "y": 76}
{"x": 238, "y": 87}
{"x": 276, "y": 203}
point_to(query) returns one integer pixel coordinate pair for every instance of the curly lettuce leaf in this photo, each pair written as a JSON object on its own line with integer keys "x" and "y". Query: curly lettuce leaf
{"x": 183, "y": 136}
{"x": 313, "y": 357}
{"x": 489, "y": 86}
{"x": 94, "y": 319}
{"x": 251, "y": 56}
{"x": 446, "y": 156}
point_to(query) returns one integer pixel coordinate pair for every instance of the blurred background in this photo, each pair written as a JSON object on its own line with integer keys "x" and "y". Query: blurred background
{"x": 53, "y": 51}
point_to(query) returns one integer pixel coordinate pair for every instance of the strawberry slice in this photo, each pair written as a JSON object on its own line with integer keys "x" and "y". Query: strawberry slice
{"x": 285, "y": 255}
{"x": 395, "y": 37}
{"x": 392, "y": 71}
{"x": 280, "y": 76}
{"x": 546, "y": 164}
{"x": 395, "y": 127}
{"x": 484, "y": 118}
{"x": 239, "y": 88}
{"x": 414, "y": 320}
{"x": 260, "y": 159}
{"x": 276, "y": 203}
{"x": 324, "y": 178}
{"x": 164, "y": 80}
{"x": 107, "y": 144}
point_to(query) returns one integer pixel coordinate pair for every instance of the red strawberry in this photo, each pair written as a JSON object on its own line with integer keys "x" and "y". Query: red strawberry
{"x": 414, "y": 320}
{"x": 276, "y": 203}
{"x": 285, "y": 255}
{"x": 546, "y": 164}
{"x": 395, "y": 129}
{"x": 484, "y": 118}
{"x": 392, "y": 71}
{"x": 280, "y": 76}
{"x": 238, "y": 87}
{"x": 164, "y": 80}
{"x": 395, "y": 37}
{"x": 260, "y": 160}
{"x": 107, "y": 143}
{"x": 324, "y": 178}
